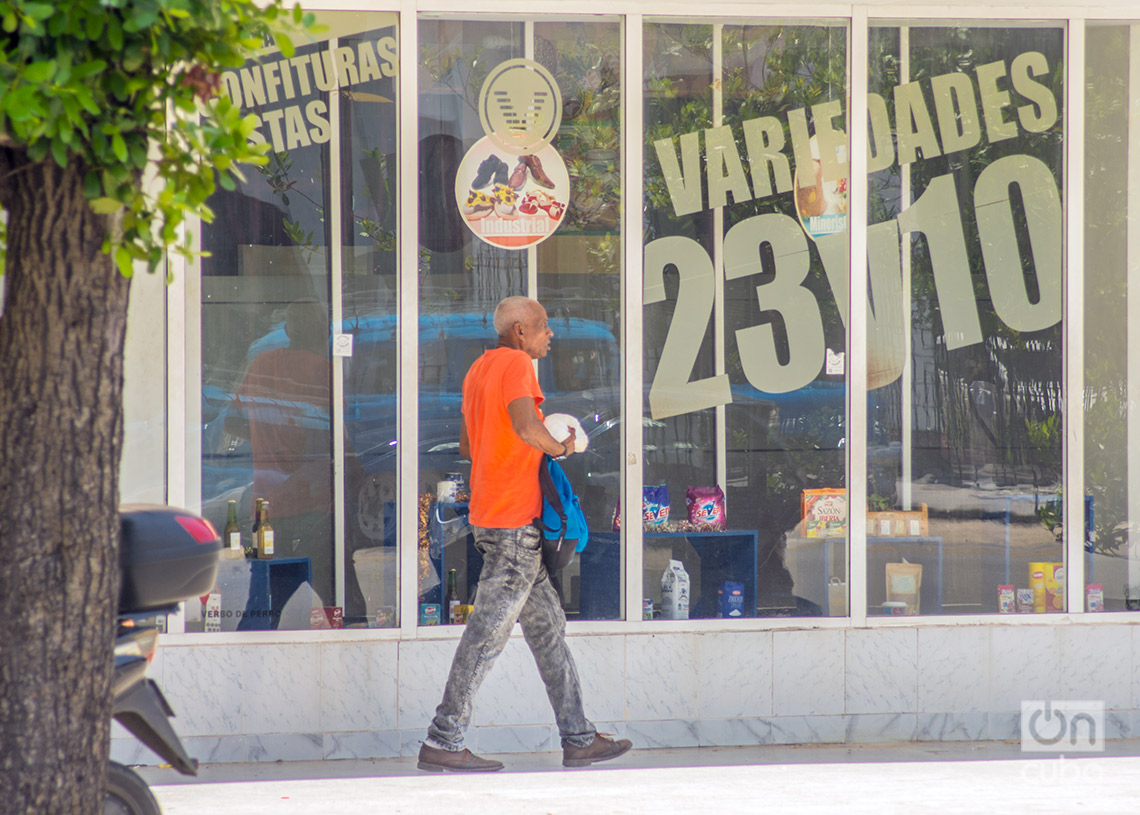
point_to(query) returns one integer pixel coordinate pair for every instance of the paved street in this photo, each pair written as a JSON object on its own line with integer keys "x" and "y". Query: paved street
{"x": 957, "y": 777}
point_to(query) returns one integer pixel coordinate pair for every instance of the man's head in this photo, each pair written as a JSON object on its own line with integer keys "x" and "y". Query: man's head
{"x": 306, "y": 325}
{"x": 521, "y": 323}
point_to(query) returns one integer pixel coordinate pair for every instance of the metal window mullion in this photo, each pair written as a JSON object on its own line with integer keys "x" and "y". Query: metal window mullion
{"x": 907, "y": 384}
{"x": 184, "y": 400}
{"x": 336, "y": 316}
{"x": 858, "y": 51}
{"x": 718, "y": 263}
{"x": 179, "y": 403}
{"x": 192, "y": 359}
{"x": 180, "y": 310}
{"x": 532, "y": 250}
{"x": 1074, "y": 353}
{"x": 1132, "y": 310}
{"x": 633, "y": 316}
{"x": 407, "y": 288}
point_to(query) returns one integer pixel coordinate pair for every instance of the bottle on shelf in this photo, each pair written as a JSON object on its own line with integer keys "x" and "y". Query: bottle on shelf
{"x": 264, "y": 534}
{"x": 451, "y": 599}
{"x": 231, "y": 536}
{"x": 251, "y": 547}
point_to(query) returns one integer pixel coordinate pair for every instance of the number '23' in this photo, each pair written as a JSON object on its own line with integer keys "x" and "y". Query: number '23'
{"x": 935, "y": 214}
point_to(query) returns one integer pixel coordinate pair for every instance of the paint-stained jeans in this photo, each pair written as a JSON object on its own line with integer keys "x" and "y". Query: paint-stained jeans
{"x": 512, "y": 586}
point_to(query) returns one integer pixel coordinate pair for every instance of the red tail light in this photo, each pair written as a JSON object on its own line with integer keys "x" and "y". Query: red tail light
{"x": 199, "y": 528}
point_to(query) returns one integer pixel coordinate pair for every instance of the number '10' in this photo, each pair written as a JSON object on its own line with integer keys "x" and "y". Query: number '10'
{"x": 935, "y": 214}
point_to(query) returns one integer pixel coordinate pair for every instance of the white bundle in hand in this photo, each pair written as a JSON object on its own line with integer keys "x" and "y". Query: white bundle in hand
{"x": 560, "y": 424}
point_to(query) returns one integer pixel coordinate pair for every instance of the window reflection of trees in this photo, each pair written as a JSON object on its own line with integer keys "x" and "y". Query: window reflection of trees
{"x": 994, "y": 410}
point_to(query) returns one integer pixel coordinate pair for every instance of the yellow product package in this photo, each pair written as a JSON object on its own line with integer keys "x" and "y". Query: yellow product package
{"x": 1048, "y": 583}
{"x": 824, "y": 513}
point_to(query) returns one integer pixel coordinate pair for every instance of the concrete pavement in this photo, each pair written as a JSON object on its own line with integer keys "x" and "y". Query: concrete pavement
{"x": 943, "y": 777}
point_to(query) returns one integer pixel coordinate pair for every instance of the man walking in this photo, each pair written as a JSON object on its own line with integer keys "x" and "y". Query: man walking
{"x": 504, "y": 437}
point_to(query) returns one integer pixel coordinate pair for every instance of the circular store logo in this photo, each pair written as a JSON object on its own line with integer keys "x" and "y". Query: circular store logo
{"x": 512, "y": 187}
{"x": 520, "y": 106}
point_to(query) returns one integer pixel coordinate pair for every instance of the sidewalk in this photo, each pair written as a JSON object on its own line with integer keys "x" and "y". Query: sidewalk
{"x": 944, "y": 777}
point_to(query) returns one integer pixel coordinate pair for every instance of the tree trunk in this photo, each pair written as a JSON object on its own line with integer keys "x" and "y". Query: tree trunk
{"x": 61, "y": 430}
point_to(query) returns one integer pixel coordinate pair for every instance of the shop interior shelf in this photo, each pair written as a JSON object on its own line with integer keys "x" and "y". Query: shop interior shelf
{"x": 254, "y": 592}
{"x": 710, "y": 558}
{"x": 452, "y": 546}
{"x": 814, "y": 561}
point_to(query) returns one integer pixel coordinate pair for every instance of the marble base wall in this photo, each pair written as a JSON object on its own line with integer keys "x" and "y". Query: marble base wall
{"x": 374, "y": 699}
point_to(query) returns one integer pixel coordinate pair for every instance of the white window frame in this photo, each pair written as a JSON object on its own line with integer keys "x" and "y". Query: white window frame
{"x": 183, "y": 299}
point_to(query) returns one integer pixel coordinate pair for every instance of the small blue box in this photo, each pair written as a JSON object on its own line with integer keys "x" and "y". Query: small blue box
{"x": 730, "y": 599}
{"x": 429, "y": 614}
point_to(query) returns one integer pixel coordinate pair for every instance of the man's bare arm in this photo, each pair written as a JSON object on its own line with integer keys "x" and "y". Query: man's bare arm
{"x": 531, "y": 430}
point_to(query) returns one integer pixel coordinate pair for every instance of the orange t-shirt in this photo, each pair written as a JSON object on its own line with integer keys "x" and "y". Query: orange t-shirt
{"x": 286, "y": 395}
{"x": 504, "y": 468}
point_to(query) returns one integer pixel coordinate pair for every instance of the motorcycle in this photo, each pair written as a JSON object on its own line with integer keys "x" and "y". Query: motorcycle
{"x": 165, "y": 556}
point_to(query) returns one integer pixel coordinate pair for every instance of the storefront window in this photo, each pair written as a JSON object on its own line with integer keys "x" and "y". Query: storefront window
{"x": 743, "y": 344}
{"x": 511, "y": 207}
{"x": 307, "y": 238}
{"x": 744, "y": 338}
{"x": 966, "y": 403}
{"x": 1111, "y": 278}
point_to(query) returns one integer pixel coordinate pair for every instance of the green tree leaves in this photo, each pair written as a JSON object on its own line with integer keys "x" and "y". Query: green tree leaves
{"x": 127, "y": 89}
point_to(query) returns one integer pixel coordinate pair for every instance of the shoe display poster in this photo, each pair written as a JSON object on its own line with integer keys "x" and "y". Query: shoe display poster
{"x": 512, "y": 186}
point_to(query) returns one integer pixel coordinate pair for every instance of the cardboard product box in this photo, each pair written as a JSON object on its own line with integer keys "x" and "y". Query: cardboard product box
{"x": 326, "y": 617}
{"x": 904, "y": 584}
{"x": 913, "y": 523}
{"x": 655, "y": 562}
{"x": 823, "y": 513}
{"x": 836, "y": 597}
{"x": 1048, "y": 583}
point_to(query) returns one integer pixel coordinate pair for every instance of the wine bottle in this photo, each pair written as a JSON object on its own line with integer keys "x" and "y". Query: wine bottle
{"x": 251, "y": 549}
{"x": 231, "y": 537}
{"x": 451, "y": 599}
{"x": 265, "y": 534}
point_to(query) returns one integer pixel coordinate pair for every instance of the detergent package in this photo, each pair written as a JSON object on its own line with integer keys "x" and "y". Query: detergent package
{"x": 706, "y": 506}
{"x": 655, "y": 505}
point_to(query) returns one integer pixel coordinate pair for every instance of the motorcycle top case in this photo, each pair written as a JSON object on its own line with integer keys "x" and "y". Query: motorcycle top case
{"x": 166, "y": 556}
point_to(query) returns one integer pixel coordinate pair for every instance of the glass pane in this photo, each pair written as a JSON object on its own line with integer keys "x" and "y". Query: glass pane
{"x": 744, "y": 336}
{"x": 267, "y": 301}
{"x": 499, "y": 219}
{"x": 966, "y": 402}
{"x": 368, "y": 167}
{"x": 1112, "y": 274}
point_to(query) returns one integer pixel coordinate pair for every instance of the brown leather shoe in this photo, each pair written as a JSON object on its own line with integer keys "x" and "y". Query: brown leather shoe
{"x": 518, "y": 176}
{"x": 455, "y": 761}
{"x": 536, "y": 172}
{"x": 602, "y": 748}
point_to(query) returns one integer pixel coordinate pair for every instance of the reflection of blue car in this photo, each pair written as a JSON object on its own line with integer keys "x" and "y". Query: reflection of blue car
{"x": 579, "y": 376}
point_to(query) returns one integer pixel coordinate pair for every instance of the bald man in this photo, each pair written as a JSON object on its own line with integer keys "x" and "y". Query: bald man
{"x": 504, "y": 437}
